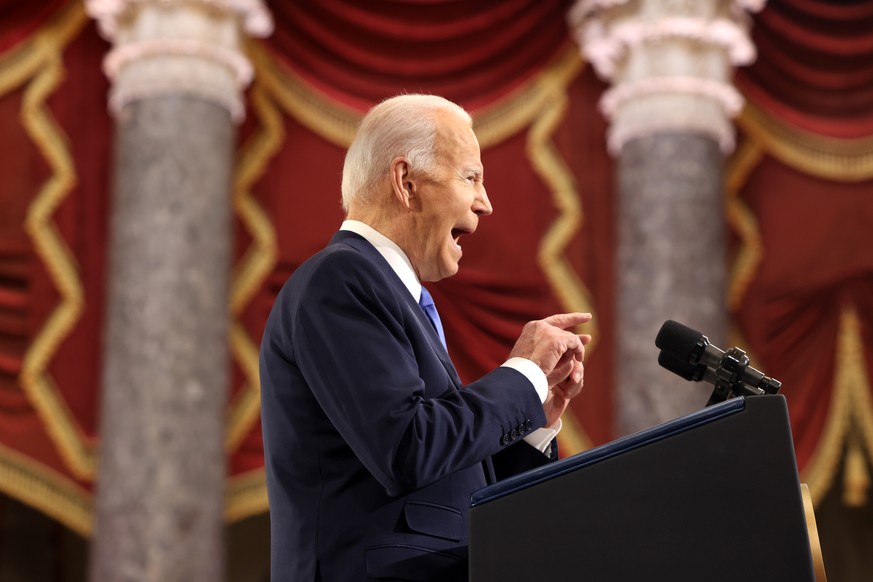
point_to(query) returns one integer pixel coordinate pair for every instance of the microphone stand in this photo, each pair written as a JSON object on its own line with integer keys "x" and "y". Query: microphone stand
{"x": 729, "y": 374}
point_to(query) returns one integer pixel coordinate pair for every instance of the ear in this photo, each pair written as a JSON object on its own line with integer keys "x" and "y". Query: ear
{"x": 403, "y": 184}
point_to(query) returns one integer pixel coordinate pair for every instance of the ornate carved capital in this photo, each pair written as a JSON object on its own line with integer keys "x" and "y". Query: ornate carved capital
{"x": 670, "y": 62}
{"x": 179, "y": 47}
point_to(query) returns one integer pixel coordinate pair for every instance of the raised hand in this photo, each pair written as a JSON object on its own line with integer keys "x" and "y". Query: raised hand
{"x": 559, "y": 353}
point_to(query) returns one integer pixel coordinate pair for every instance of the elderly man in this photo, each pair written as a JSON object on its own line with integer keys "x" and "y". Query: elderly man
{"x": 372, "y": 444}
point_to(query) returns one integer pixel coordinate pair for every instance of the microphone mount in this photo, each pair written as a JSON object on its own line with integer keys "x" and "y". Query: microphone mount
{"x": 729, "y": 371}
{"x": 728, "y": 374}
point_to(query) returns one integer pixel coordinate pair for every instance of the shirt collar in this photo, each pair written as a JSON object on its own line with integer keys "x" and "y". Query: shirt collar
{"x": 392, "y": 253}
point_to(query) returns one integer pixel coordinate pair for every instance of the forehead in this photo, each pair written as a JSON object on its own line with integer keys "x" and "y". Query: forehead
{"x": 455, "y": 140}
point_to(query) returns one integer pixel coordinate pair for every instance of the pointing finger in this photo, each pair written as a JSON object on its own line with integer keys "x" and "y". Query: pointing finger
{"x": 567, "y": 320}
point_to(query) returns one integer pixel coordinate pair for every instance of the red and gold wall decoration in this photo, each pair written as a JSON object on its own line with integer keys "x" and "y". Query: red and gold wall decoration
{"x": 799, "y": 196}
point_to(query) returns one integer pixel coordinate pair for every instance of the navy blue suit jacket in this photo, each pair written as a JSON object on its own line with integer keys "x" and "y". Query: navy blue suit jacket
{"x": 372, "y": 444}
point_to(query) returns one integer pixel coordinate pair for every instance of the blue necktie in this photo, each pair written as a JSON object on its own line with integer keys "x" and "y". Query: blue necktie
{"x": 426, "y": 303}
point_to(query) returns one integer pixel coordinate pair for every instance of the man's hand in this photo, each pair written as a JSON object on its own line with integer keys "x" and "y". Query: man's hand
{"x": 559, "y": 354}
{"x": 562, "y": 392}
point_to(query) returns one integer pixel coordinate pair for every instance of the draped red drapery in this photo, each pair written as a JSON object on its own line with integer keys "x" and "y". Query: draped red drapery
{"x": 510, "y": 63}
{"x": 484, "y": 56}
{"x": 801, "y": 207}
{"x": 815, "y": 66}
{"x": 810, "y": 194}
{"x": 471, "y": 52}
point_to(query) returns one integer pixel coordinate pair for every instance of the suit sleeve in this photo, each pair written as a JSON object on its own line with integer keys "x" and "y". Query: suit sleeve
{"x": 521, "y": 457}
{"x": 351, "y": 343}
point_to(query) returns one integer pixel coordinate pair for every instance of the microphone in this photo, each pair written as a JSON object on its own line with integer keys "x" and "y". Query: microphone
{"x": 685, "y": 370}
{"x": 688, "y": 353}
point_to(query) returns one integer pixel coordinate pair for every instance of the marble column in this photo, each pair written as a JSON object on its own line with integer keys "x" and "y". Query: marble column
{"x": 670, "y": 107}
{"x": 177, "y": 72}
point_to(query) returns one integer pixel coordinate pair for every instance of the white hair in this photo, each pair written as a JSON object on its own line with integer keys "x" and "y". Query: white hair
{"x": 404, "y": 125}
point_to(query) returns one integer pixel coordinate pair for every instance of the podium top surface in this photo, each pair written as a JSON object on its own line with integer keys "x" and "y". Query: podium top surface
{"x": 609, "y": 450}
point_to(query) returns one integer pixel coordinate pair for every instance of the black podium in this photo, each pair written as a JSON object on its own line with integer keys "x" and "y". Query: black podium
{"x": 713, "y": 496}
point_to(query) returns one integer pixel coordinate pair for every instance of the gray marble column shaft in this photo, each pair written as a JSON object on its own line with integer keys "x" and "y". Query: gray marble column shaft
{"x": 159, "y": 502}
{"x": 671, "y": 265}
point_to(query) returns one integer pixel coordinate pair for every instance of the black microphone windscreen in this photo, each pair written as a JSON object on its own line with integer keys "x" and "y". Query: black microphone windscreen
{"x": 678, "y": 340}
{"x": 679, "y": 367}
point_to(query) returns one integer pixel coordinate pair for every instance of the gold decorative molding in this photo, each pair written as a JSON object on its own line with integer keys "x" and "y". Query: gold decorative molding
{"x": 257, "y": 262}
{"x": 37, "y": 64}
{"x": 840, "y": 160}
{"x": 254, "y": 156}
{"x": 812, "y": 534}
{"x": 856, "y": 477}
{"x": 334, "y": 122}
{"x": 742, "y": 219}
{"x": 246, "y": 496}
{"x": 45, "y": 490}
{"x": 337, "y": 123}
{"x": 850, "y": 405}
{"x": 532, "y": 101}
{"x": 551, "y": 90}
{"x": 572, "y": 439}
{"x": 245, "y": 408}
{"x": 549, "y": 165}
{"x": 22, "y": 62}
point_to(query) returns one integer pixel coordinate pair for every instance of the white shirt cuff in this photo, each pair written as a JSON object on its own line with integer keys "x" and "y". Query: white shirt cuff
{"x": 541, "y": 439}
{"x": 532, "y": 372}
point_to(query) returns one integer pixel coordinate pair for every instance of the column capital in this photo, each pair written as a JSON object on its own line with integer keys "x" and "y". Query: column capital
{"x": 179, "y": 47}
{"x": 670, "y": 62}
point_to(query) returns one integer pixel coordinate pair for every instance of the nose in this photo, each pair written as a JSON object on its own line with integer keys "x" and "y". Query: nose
{"x": 482, "y": 206}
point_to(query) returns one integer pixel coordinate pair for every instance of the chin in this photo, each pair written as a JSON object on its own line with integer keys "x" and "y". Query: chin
{"x": 449, "y": 270}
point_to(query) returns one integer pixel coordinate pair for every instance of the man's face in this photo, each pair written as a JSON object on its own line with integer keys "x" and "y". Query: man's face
{"x": 449, "y": 203}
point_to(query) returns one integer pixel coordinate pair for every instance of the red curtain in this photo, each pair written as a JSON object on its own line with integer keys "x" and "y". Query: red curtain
{"x": 54, "y": 137}
{"x": 810, "y": 195}
{"x": 815, "y": 65}
{"x": 480, "y": 55}
{"x": 496, "y": 58}
{"x": 803, "y": 299}
{"x": 802, "y": 205}
{"x": 471, "y": 52}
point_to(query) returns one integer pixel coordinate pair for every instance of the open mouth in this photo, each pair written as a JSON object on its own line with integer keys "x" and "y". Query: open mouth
{"x": 457, "y": 233}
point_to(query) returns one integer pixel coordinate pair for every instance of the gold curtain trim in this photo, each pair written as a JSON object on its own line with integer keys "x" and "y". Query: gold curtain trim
{"x": 246, "y": 496}
{"x": 245, "y": 409}
{"x": 21, "y": 62}
{"x": 840, "y": 160}
{"x": 743, "y": 221}
{"x": 862, "y": 388}
{"x": 38, "y": 63}
{"x": 551, "y": 91}
{"x": 332, "y": 121}
{"x": 831, "y": 159}
{"x": 812, "y": 534}
{"x": 850, "y": 402}
{"x": 41, "y": 488}
{"x": 254, "y": 156}
{"x": 337, "y": 123}
{"x": 531, "y": 102}
{"x": 256, "y": 264}
{"x": 856, "y": 477}
{"x": 572, "y": 439}
{"x": 548, "y": 164}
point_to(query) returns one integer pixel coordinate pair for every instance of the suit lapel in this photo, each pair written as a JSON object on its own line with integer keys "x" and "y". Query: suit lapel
{"x": 360, "y": 244}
